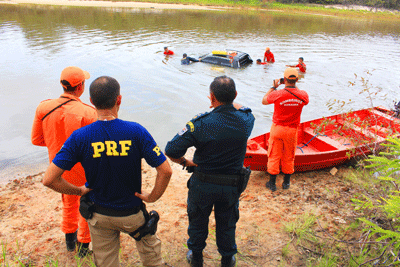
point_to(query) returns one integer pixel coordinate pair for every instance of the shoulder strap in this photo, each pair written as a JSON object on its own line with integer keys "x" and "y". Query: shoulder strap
{"x": 57, "y": 108}
{"x": 295, "y": 95}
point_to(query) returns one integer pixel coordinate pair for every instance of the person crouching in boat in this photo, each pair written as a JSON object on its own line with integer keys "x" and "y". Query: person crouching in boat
{"x": 288, "y": 105}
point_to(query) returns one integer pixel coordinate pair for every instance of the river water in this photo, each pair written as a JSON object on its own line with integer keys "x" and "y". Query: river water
{"x": 37, "y": 42}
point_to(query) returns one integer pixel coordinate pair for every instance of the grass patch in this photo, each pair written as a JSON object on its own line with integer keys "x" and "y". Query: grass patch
{"x": 301, "y": 228}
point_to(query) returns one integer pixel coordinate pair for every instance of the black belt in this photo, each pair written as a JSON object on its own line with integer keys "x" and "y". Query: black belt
{"x": 219, "y": 179}
{"x": 115, "y": 213}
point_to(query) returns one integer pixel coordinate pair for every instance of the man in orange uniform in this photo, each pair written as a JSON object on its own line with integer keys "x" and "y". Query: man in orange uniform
{"x": 168, "y": 52}
{"x": 288, "y": 105}
{"x": 302, "y": 66}
{"x": 54, "y": 122}
{"x": 268, "y": 56}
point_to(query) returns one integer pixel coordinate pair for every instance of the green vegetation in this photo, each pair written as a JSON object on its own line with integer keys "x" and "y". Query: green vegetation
{"x": 373, "y": 237}
{"x": 381, "y": 216}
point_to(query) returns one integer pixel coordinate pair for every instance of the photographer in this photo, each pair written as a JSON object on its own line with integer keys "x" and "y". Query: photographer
{"x": 288, "y": 105}
{"x": 111, "y": 151}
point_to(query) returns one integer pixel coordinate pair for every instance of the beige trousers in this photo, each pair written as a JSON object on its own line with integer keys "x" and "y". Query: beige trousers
{"x": 105, "y": 232}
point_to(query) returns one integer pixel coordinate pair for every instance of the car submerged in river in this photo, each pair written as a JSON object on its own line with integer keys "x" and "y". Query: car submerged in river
{"x": 229, "y": 58}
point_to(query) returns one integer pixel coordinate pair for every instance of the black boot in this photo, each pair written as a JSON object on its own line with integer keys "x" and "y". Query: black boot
{"x": 228, "y": 261}
{"x": 286, "y": 182}
{"x": 70, "y": 240}
{"x": 83, "y": 249}
{"x": 195, "y": 259}
{"x": 271, "y": 183}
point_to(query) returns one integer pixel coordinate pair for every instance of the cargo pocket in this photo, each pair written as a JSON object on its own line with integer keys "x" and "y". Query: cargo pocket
{"x": 270, "y": 145}
{"x": 133, "y": 222}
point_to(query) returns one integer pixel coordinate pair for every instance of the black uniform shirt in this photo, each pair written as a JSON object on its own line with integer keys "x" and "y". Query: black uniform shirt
{"x": 220, "y": 138}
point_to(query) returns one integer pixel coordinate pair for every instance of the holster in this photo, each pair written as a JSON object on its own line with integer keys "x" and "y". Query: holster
{"x": 244, "y": 179}
{"x": 149, "y": 226}
{"x": 86, "y": 208}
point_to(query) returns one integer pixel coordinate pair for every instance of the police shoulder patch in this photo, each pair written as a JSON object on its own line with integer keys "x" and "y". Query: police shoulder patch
{"x": 184, "y": 130}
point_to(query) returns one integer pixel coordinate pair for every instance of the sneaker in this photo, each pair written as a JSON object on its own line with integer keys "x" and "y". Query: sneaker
{"x": 70, "y": 241}
{"x": 285, "y": 185}
{"x": 271, "y": 186}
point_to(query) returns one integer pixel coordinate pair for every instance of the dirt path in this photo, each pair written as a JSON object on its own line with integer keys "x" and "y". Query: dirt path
{"x": 30, "y": 217}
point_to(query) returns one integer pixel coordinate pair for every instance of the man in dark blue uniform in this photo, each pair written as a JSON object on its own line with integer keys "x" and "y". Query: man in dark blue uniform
{"x": 111, "y": 151}
{"x": 220, "y": 138}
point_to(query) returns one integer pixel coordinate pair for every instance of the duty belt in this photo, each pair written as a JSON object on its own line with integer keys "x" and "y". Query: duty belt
{"x": 219, "y": 179}
{"x": 115, "y": 213}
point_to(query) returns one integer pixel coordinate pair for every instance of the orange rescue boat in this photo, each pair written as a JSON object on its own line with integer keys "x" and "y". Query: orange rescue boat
{"x": 331, "y": 141}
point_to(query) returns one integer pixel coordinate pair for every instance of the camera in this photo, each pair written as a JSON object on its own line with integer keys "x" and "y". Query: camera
{"x": 282, "y": 80}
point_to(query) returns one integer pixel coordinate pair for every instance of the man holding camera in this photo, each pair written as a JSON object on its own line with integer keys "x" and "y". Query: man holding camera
{"x": 288, "y": 105}
{"x": 220, "y": 138}
{"x": 110, "y": 151}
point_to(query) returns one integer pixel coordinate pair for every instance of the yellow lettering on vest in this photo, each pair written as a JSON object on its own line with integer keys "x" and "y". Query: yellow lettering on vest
{"x": 157, "y": 150}
{"x": 125, "y": 146}
{"x": 111, "y": 148}
{"x": 98, "y": 147}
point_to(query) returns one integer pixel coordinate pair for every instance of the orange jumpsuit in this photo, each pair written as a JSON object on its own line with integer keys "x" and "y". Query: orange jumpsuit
{"x": 281, "y": 149}
{"x": 52, "y": 132}
{"x": 283, "y": 135}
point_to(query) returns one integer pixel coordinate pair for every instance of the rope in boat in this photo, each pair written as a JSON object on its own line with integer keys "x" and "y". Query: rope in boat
{"x": 306, "y": 144}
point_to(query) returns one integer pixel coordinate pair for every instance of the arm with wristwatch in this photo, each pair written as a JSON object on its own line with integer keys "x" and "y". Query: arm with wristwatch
{"x": 274, "y": 86}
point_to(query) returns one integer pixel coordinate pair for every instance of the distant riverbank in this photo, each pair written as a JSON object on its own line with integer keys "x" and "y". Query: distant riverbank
{"x": 349, "y": 11}
{"x": 127, "y": 4}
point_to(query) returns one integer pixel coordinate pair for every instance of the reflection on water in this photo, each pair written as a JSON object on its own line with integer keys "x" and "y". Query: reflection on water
{"x": 37, "y": 42}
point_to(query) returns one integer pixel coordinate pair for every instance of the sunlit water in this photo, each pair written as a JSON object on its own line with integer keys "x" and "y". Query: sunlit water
{"x": 37, "y": 43}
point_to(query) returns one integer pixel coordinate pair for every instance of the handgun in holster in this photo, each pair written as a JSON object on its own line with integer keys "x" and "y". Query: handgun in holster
{"x": 244, "y": 179}
{"x": 86, "y": 208}
{"x": 150, "y": 225}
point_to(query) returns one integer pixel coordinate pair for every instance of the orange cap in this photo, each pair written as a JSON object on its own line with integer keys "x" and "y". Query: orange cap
{"x": 289, "y": 72}
{"x": 74, "y": 76}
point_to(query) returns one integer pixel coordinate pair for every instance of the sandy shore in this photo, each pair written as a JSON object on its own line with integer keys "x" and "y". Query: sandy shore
{"x": 30, "y": 217}
{"x": 91, "y": 3}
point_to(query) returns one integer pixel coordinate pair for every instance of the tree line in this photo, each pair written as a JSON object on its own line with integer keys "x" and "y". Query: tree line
{"x": 374, "y": 4}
